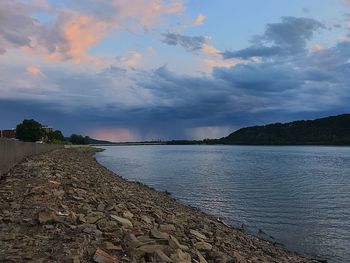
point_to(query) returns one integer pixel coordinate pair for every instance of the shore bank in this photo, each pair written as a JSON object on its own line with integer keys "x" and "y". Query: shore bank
{"x": 63, "y": 206}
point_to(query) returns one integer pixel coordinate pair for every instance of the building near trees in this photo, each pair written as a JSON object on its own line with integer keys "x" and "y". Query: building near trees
{"x": 9, "y": 134}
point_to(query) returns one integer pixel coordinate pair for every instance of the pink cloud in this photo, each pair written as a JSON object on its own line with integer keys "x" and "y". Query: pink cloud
{"x": 75, "y": 31}
{"x": 34, "y": 70}
{"x": 211, "y": 50}
{"x": 81, "y": 33}
{"x": 114, "y": 134}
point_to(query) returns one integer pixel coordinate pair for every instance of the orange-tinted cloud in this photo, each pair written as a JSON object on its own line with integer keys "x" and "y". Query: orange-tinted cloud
{"x": 199, "y": 20}
{"x": 76, "y": 29}
{"x": 316, "y": 48}
{"x": 114, "y": 134}
{"x": 215, "y": 59}
{"x": 210, "y": 50}
{"x": 81, "y": 33}
{"x": 34, "y": 70}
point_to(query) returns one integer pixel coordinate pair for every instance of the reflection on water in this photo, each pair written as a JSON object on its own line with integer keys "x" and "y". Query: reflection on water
{"x": 298, "y": 195}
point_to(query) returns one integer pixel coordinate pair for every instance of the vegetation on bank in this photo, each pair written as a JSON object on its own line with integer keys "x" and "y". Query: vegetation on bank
{"x": 333, "y": 130}
{"x": 33, "y": 131}
{"x": 29, "y": 131}
{"x": 79, "y": 139}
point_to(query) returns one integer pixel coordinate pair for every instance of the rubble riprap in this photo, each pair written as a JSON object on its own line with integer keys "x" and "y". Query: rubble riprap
{"x": 63, "y": 206}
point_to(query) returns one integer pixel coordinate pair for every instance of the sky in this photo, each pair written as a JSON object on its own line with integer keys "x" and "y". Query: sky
{"x": 131, "y": 70}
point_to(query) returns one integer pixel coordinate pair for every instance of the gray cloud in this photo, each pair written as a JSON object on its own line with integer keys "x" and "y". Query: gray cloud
{"x": 164, "y": 103}
{"x": 285, "y": 38}
{"x": 187, "y": 42}
{"x": 16, "y": 26}
{"x": 311, "y": 86}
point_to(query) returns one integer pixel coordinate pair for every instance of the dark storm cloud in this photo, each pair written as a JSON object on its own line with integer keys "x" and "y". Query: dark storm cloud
{"x": 285, "y": 38}
{"x": 261, "y": 78}
{"x": 314, "y": 85}
{"x": 187, "y": 42}
{"x": 280, "y": 88}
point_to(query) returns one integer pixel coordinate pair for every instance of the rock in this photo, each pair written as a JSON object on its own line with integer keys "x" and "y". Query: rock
{"x": 71, "y": 218}
{"x": 148, "y": 249}
{"x": 168, "y": 228}
{"x": 53, "y": 184}
{"x": 203, "y": 246}
{"x": 145, "y": 240}
{"x": 94, "y": 217}
{"x": 103, "y": 257}
{"x": 111, "y": 246}
{"x": 158, "y": 235}
{"x": 174, "y": 243}
{"x": 46, "y": 217}
{"x": 90, "y": 229}
{"x": 123, "y": 221}
{"x": 127, "y": 214}
{"x": 108, "y": 225}
{"x": 101, "y": 207}
{"x": 198, "y": 235}
{"x": 201, "y": 258}
{"x": 146, "y": 219}
{"x": 81, "y": 218}
{"x": 78, "y": 198}
{"x": 180, "y": 256}
{"x": 75, "y": 259}
{"x": 239, "y": 258}
{"x": 162, "y": 257}
{"x": 132, "y": 242}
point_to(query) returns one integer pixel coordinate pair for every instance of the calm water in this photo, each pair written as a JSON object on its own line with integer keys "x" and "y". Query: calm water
{"x": 298, "y": 195}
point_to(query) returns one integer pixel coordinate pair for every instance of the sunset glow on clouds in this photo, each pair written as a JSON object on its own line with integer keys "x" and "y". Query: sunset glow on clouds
{"x": 199, "y": 20}
{"x": 114, "y": 134}
{"x": 34, "y": 70}
{"x": 141, "y": 69}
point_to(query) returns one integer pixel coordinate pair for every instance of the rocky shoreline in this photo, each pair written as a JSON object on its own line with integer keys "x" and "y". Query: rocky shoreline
{"x": 63, "y": 206}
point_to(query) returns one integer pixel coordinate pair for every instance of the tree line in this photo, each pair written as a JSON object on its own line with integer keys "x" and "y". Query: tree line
{"x": 33, "y": 131}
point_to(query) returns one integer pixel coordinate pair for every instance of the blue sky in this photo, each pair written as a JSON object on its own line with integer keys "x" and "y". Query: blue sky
{"x": 170, "y": 69}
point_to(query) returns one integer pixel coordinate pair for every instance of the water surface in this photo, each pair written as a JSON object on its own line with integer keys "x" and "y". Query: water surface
{"x": 298, "y": 195}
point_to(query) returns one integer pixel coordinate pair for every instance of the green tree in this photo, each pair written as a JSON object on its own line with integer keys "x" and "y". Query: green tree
{"x": 56, "y": 137}
{"x": 79, "y": 139}
{"x": 29, "y": 131}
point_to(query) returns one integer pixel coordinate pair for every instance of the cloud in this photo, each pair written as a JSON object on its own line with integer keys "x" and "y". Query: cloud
{"x": 211, "y": 50}
{"x": 128, "y": 101}
{"x": 151, "y": 103}
{"x": 34, "y": 70}
{"x": 133, "y": 60}
{"x": 286, "y": 38}
{"x": 187, "y": 42}
{"x": 316, "y": 48}
{"x": 81, "y": 33}
{"x": 114, "y": 134}
{"x": 16, "y": 26}
{"x": 76, "y": 26}
{"x": 199, "y": 20}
